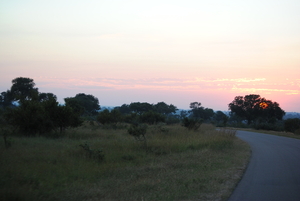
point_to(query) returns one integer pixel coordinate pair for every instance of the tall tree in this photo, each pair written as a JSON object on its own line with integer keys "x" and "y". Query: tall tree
{"x": 253, "y": 106}
{"x": 152, "y": 117}
{"x": 35, "y": 117}
{"x": 140, "y": 107}
{"x": 124, "y": 109}
{"x": 6, "y": 99}
{"x": 110, "y": 117}
{"x": 37, "y": 112}
{"x": 84, "y": 104}
{"x": 23, "y": 89}
{"x": 220, "y": 117}
{"x": 163, "y": 108}
{"x": 199, "y": 112}
{"x": 46, "y": 96}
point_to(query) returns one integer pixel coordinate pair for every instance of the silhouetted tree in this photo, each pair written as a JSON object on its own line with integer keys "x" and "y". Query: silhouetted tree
{"x": 37, "y": 113}
{"x": 75, "y": 105}
{"x": 163, "y": 108}
{"x": 152, "y": 117}
{"x": 109, "y": 117}
{"x": 23, "y": 89}
{"x": 6, "y": 99}
{"x": 140, "y": 107}
{"x": 253, "y": 106}
{"x": 199, "y": 112}
{"x": 65, "y": 117}
{"x": 220, "y": 117}
{"x": 46, "y": 96}
{"x": 124, "y": 109}
{"x": 84, "y": 104}
{"x": 34, "y": 117}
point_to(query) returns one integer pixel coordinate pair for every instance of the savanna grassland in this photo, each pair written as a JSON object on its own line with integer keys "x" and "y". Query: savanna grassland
{"x": 101, "y": 163}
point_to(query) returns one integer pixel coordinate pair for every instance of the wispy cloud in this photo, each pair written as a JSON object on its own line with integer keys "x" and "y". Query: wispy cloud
{"x": 226, "y": 80}
{"x": 236, "y": 85}
{"x": 266, "y": 90}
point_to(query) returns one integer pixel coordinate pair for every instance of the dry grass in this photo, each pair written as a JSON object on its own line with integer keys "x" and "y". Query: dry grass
{"x": 176, "y": 164}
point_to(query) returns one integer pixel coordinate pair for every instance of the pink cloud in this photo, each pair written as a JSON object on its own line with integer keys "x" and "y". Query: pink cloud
{"x": 215, "y": 93}
{"x": 239, "y": 85}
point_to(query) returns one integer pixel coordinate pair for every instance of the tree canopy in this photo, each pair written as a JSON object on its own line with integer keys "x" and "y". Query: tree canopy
{"x": 84, "y": 104}
{"x": 142, "y": 107}
{"x": 124, "y": 109}
{"x": 163, "y": 108}
{"x": 199, "y": 112}
{"x": 251, "y": 107}
{"x": 6, "y": 99}
{"x": 37, "y": 113}
{"x": 23, "y": 89}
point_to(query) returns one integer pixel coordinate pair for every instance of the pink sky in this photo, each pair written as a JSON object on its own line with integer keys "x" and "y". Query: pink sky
{"x": 172, "y": 51}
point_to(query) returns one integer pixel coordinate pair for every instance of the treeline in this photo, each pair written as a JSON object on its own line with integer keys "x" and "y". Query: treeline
{"x": 254, "y": 111}
{"x": 138, "y": 112}
{"x": 31, "y": 112}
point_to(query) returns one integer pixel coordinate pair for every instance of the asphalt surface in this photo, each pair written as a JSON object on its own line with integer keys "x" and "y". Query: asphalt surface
{"x": 273, "y": 172}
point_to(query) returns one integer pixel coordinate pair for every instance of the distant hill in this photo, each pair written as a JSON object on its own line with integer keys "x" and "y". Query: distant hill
{"x": 290, "y": 115}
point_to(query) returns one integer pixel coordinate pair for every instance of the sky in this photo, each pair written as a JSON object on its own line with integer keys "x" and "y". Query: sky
{"x": 174, "y": 51}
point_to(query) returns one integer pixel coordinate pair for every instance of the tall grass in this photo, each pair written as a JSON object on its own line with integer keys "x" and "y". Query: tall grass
{"x": 176, "y": 164}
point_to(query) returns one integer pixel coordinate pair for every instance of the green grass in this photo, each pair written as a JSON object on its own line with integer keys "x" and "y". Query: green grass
{"x": 176, "y": 164}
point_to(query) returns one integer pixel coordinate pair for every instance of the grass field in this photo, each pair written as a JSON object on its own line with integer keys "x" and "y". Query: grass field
{"x": 175, "y": 164}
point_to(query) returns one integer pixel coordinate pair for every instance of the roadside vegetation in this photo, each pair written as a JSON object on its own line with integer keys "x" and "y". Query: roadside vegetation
{"x": 136, "y": 151}
{"x": 252, "y": 112}
{"x": 176, "y": 164}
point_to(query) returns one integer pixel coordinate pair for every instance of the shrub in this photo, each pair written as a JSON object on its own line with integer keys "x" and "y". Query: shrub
{"x": 106, "y": 117}
{"x": 269, "y": 126}
{"x": 191, "y": 124}
{"x": 151, "y": 117}
{"x": 132, "y": 118}
{"x": 138, "y": 131}
{"x": 292, "y": 125}
{"x": 42, "y": 118}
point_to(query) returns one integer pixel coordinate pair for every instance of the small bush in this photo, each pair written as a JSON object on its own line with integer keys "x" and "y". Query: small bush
{"x": 138, "y": 131}
{"x": 191, "y": 124}
{"x": 292, "y": 125}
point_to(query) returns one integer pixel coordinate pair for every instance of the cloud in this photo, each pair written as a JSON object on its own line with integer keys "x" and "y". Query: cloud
{"x": 227, "y": 80}
{"x": 266, "y": 90}
{"x": 236, "y": 85}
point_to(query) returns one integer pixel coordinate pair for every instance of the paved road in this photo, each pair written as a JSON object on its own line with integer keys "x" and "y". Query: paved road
{"x": 273, "y": 172}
